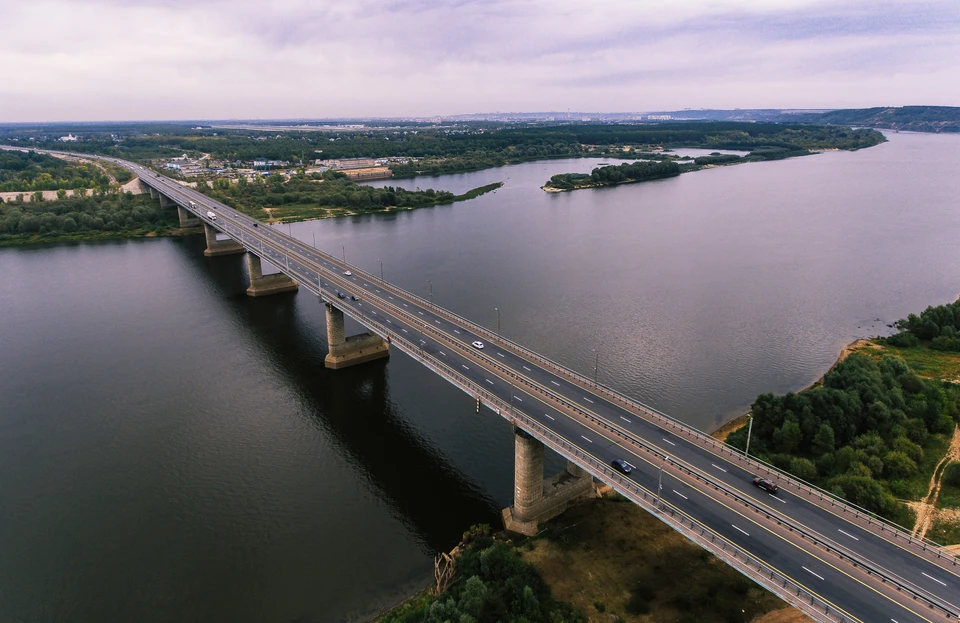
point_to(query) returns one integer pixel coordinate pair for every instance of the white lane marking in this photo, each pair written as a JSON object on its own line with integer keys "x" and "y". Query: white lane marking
{"x": 718, "y": 467}
{"x": 405, "y": 305}
{"x": 374, "y": 313}
{"x": 455, "y": 331}
{"x": 555, "y": 383}
{"x": 488, "y": 381}
{"x": 895, "y": 621}
{"x": 500, "y": 354}
{"x": 464, "y": 367}
{"x": 848, "y": 534}
{"x": 519, "y": 398}
{"x": 680, "y": 494}
{"x": 781, "y": 500}
{"x": 668, "y": 441}
{"x": 527, "y": 369}
{"x": 388, "y": 320}
{"x": 420, "y": 312}
{"x": 437, "y": 321}
{"x": 816, "y": 575}
{"x": 747, "y": 533}
{"x": 378, "y": 291}
{"x": 588, "y": 400}
{"x": 388, "y": 296}
{"x": 442, "y": 353}
{"x": 586, "y": 438}
{"x": 405, "y": 331}
{"x": 548, "y": 415}
{"x": 934, "y": 579}
{"x": 625, "y": 419}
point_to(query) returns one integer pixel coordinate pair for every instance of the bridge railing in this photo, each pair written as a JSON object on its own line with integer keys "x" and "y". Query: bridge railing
{"x": 759, "y": 466}
{"x": 756, "y": 465}
{"x": 565, "y": 447}
{"x": 635, "y": 406}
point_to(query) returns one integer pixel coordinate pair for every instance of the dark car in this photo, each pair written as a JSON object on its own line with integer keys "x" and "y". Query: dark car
{"x": 767, "y": 485}
{"x": 354, "y": 297}
{"x": 340, "y": 294}
{"x": 621, "y": 466}
{"x": 255, "y": 225}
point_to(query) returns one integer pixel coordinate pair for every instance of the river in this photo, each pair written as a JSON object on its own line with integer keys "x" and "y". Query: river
{"x": 172, "y": 450}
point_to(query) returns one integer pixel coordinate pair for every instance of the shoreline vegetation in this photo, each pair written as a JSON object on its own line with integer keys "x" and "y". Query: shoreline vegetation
{"x": 903, "y": 459}
{"x": 90, "y": 204}
{"x": 652, "y": 165}
{"x": 602, "y": 561}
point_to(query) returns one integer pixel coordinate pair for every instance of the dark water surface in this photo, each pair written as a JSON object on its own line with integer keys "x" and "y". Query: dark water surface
{"x": 172, "y": 450}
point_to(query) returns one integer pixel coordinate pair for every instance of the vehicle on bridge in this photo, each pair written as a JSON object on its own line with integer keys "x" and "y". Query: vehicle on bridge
{"x": 340, "y": 294}
{"x": 211, "y": 215}
{"x": 621, "y": 466}
{"x": 767, "y": 485}
{"x": 478, "y": 344}
{"x": 347, "y": 273}
{"x": 354, "y": 297}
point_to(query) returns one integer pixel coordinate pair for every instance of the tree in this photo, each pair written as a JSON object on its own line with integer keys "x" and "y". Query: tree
{"x": 824, "y": 441}
{"x": 803, "y": 469}
{"x": 61, "y": 194}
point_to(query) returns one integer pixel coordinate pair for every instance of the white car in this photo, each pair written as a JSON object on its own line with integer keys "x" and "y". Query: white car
{"x": 211, "y": 216}
{"x": 347, "y": 273}
{"x": 478, "y": 344}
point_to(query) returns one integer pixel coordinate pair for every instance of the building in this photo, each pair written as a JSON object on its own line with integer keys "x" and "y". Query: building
{"x": 69, "y": 138}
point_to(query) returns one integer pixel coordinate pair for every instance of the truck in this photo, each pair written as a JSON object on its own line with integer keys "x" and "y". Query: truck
{"x": 211, "y": 215}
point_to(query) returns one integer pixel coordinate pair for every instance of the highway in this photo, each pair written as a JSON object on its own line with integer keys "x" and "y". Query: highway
{"x": 834, "y": 561}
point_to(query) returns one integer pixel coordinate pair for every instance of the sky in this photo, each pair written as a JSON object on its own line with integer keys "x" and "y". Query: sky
{"x": 75, "y": 60}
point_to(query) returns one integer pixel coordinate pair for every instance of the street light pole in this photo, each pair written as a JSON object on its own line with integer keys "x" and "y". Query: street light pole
{"x": 344, "y": 250}
{"x": 431, "y": 291}
{"x": 596, "y": 365}
{"x": 746, "y": 450}
{"x": 659, "y": 486}
{"x": 314, "y": 239}
{"x": 381, "y": 271}
{"x": 497, "y": 309}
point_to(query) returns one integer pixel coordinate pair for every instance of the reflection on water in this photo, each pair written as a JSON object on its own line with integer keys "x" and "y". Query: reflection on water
{"x": 172, "y": 450}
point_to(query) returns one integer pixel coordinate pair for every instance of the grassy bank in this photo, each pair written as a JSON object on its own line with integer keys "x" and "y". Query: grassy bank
{"x": 604, "y": 561}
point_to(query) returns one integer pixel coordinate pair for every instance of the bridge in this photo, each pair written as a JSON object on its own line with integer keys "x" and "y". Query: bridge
{"x": 832, "y": 560}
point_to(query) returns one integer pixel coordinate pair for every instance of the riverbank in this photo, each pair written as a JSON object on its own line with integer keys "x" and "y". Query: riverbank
{"x": 612, "y": 561}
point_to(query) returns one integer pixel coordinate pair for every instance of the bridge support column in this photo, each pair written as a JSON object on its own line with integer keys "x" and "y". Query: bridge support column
{"x": 261, "y": 285}
{"x": 154, "y": 194}
{"x": 219, "y": 247}
{"x": 353, "y": 350}
{"x": 537, "y": 500}
{"x": 186, "y": 218}
{"x": 166, "y": 202}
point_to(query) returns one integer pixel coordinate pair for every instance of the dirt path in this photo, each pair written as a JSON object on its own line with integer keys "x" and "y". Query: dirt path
{"x": 926, "y": 509}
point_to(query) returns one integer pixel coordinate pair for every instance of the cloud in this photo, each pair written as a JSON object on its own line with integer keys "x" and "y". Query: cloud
{"x": 167, "y": 59}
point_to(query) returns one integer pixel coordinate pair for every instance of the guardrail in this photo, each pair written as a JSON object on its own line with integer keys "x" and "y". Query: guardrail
{"x": 474, "y": 390}
{"x": 794, "y": 527}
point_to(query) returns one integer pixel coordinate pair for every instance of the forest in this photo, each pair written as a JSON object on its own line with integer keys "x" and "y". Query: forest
{"x": 31, "y": 171}
{"x": 615, "y": 174}
{"x": 447, "y": 149}
{"x": 317, "y": 196}
{"x": 492, "y": 585}
{"x": 937, "y": 327}
{"x": 104, "y": 214}
{"x": 864, "y": 434}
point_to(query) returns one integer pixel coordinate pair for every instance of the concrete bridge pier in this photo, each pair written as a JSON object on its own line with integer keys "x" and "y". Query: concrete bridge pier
{"x": 219, "y": 247}
{"x": 166, "y": 202}
{"x": 261, "y": 285}
{"x": 186, "y": 218}
{"x": 537, "y": 500}
{"x": 353, "y": 350}
{"x": 153, "y": 193}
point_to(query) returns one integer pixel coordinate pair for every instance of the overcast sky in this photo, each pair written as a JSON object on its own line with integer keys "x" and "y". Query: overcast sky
{"x": 247, "y": 59}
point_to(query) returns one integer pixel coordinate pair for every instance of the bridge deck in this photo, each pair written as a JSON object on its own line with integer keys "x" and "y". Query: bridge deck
{"x": 832, "y": 560}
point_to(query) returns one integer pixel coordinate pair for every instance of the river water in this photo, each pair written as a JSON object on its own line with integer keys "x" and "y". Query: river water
{"x": 172, "y": 450}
